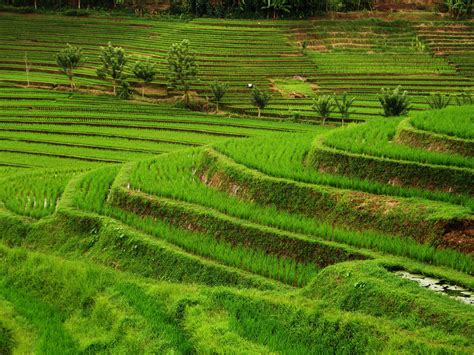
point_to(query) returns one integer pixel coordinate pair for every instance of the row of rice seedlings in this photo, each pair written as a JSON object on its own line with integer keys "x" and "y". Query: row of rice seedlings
{"x": 36, "y": 194}
{"x": 174, "y": 178}
{"x": 92, "y": 196}
{"x": 375, "y": 138}
{"x": 456, "y": 122}
{"x": 283, "y": 156}
{"x": 341, "y": 62}
{"x": 27, "y": 160}
{"x": 105, "y": 155}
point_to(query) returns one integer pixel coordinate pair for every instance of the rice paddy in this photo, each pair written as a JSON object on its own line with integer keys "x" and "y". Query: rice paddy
{"x": 139, "y": 226}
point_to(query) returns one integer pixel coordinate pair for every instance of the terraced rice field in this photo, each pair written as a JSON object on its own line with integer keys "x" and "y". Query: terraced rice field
{"x": 140, "y": 227}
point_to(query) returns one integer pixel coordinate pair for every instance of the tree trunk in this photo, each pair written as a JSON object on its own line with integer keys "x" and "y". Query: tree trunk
{"x": 143, "y": 91}
{"x": 259, "y": 112}
{"x": 78, "y": 4}
{"x": 217, "y": 106}
{"x": 36, "y": 4}
{"x": 115, "y": 90}
{"x": 71, "y": 83}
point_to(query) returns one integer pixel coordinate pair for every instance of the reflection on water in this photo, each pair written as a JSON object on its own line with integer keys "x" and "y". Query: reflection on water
{"x": 442, "y": 286}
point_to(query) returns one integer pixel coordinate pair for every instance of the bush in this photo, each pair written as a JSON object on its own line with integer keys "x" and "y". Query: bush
{"x": 260, "y": 99}
{"x": 394, "y": 102}
{"x": 7, "y": 342}
{"x": 76, "y": 12}
{"x": 438, "y": 101}
{"x": 344, "y": 106}
{"x": 464, "y": 98}
{"x": 323, "y": 105}
{"x": 124, "y": 91}
{"x": 18, "y": 9}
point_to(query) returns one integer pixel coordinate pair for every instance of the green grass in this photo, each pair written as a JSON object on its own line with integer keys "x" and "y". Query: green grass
{"x": 140, "y": 227}
{"x": 375, "y": 138}
{"x": 455, "y": 122}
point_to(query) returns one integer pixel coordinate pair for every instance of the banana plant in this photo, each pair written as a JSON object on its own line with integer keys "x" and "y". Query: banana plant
{"x": 278, "y": 6}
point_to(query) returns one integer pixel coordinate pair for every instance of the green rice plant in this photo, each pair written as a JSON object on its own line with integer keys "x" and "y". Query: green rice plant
{"x": 375, "y": 138}
{"x": 452, "y": 121}
{"x": 176, "y": 180}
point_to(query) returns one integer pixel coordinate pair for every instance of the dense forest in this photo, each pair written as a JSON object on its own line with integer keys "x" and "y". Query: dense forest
{"x": 235, "y": 8}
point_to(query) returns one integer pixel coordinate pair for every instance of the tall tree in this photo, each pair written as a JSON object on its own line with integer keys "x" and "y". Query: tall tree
{"x": 113, "y": 60}
{"x": 145, "y": 71}
{"x": 68, "y": 60}
{"x": 182, "y": 67}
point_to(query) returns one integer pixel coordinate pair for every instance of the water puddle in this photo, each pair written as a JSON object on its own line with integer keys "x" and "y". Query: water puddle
{"x": 442, "y": 286}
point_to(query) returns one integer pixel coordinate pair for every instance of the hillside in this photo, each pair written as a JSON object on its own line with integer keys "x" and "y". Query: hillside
{"x": 137, "y": 226}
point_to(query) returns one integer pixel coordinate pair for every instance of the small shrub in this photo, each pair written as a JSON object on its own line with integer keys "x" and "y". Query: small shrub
{"x": 76, "y": 12}
{"x": 18, "y": 9}
{"x": 145, "y": 71}
{"x": 218, "y": 91}
{"x": 7, "y": 342}
{"x": 68, "y": 60}
{"x": 417, "y": 45}
{"x": 124, "y": 92}
{"x": 182, "y": 67}
{"x": 438, "y": 101}
{"x": 344, "y": 106}
{"x": 324, "y": 105}
{"x": 260, "y": 99}
{"x": 464, "y": 98}
{"x": 113, "y": 60}
{"x": 303, "y": 46}
{"x": 457, "y": 8}
{"x": 394, "y": 102}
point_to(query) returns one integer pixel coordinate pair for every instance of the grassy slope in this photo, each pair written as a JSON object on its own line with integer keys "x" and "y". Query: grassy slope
{"x": 152, "y": 269}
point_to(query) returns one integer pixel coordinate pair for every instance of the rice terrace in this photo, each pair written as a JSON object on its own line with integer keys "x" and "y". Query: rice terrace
{"x": 239, "y": 177}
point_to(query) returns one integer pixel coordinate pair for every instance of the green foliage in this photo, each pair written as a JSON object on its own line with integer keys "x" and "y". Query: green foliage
{"x": 394, "y": 102}
{"x": 278, "y": 7}
{"x": 218, "y": 91}
{"x": 324, "y": 105}
{"x": 113, "y": 61}
{"x": 124, "y": 92}
{"x": 464, "y": 98}
{"x": 68, "y": 60}
{"x": 182, "y": 67}
{"x": 303, "y": 46}
{"x": 458, "y": 8}
{"x": 344, "y": 105}
{"x": 418, "y": 45}
{"x": 438, "y": 101}
{"x": 7, "y": 342}
{"x": 452, "y": 121}
{"x": 145, "y": 71}
{"x": 259, "y": 99}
